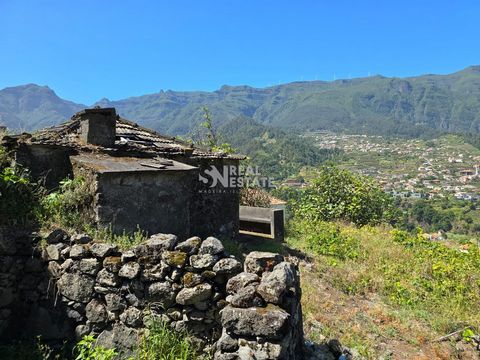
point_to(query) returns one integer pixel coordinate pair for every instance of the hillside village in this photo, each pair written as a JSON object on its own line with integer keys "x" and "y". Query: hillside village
{"x": 413, "y": 168}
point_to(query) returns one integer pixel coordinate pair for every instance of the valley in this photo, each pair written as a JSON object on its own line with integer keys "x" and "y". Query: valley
{"x": 417, "y": 168}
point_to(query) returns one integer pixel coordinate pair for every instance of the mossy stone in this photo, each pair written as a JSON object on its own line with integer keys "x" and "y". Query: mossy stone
{"x": 175, "y": 258}
{"x": 191, "y": 279}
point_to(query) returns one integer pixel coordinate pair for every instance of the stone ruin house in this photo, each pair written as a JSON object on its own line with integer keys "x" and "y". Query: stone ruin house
{"x": 141, "y": 178}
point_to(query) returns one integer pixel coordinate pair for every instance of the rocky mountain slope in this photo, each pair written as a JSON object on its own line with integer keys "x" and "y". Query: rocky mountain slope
{"x": 376, "y": 105}
{"x": 30, "y": 106}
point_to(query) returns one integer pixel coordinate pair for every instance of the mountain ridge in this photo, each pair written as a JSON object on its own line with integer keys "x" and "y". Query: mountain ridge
{"x": 377, "y": 105}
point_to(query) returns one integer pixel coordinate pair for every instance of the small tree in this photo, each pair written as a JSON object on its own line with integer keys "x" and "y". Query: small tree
{"x": 340, "y": 194}
{"x": 207, "y": 135}
{"x": 211, "y": 135}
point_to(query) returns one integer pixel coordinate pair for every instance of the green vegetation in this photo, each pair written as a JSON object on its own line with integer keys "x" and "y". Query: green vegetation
{"x": 431, "y": 169}
{"x": 164, "y": 343}
{"x": 472, "y": 139}
{"x": 415, "y": 106}
{"x": 339, "y": 194}
{"x": 277, "y": 154}
{"x": 19, "y": 197}
{"x": 409, "y": 290}
{"x": 87, "y": 350}
{"x": 444, "y": 280}
{"x": 373, "y": 281}
{"x": 206, "y": 135}
{"x": 71, "y": 205}
{"x": 4, "y": 158}
{"x": 436, "y": 283}
{"x": 160, "y": 342}
{"x": 124, "y": 241}
{"x": 325, "y": 238}
{"x": 426, "y": 214}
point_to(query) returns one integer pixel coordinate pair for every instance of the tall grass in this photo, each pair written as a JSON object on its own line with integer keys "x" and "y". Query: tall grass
{"x": 428, "y": 280}
{"x": 124, "y": 241}
{"x": 164, "y": 343}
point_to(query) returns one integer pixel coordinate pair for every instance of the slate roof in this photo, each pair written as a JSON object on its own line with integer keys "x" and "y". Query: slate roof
{"x": 130, "y": 138}
{"x": 103, "y": 164}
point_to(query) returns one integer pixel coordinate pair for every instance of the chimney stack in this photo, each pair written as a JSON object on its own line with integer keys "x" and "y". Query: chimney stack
{"x": 98, "y": 126}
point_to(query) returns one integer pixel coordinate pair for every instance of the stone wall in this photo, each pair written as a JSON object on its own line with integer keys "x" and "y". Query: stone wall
{"x": 167, "y": 201}
{"x": 218, "y": 204}
{"x": 154, "y": 201}
{"x": 263, "y": 318}
{"x": 27, "y": 292}
{"x": 48, "y": 164}
{"x": 69, "y": 286}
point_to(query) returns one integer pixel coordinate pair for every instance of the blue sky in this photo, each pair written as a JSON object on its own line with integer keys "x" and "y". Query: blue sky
{"x": 87, "y": 49}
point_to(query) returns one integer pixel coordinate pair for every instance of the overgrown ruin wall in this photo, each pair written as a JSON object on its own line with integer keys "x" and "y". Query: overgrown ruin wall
{"x": 70, "y": 286}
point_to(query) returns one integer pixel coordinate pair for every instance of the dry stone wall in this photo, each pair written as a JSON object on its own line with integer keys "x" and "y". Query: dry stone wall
{"x": 263, "y": 318}
{"x": 69, "y": 286}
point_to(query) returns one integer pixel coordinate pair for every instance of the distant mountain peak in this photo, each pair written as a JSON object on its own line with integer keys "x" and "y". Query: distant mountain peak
{"x": 379, "y": 105}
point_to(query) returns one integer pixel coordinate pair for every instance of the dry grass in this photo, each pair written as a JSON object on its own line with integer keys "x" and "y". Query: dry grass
{"x": 349, "y": 300}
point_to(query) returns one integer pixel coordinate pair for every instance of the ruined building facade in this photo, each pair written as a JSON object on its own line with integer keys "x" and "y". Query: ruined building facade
{"x": 141, "y": 179}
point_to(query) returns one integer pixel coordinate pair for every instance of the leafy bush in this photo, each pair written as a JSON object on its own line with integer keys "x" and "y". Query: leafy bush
{"x": 71, "y": 205}
{"x": 19, "y": 197}
{"x": 87, "y": 350}
{"x": 164, "y": 343}
{"x": 340, "y": 194}
{"x": 324, "y": 238}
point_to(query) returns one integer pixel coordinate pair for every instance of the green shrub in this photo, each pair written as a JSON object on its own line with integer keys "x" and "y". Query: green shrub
{"x": 340, "y": 194}
{"x": 289, "y": 194}
{"x": 19, "y": 197}
{"x": 324, "y": 238}
{"x": 87, "y": 350}
{"x": 71, "y": 205}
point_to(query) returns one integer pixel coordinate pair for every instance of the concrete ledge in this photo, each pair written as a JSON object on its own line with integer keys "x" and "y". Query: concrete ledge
{"x": 262, "y": 222}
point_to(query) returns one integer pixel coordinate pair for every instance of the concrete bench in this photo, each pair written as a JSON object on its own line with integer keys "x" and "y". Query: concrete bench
{"x": 262, "y": 222}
